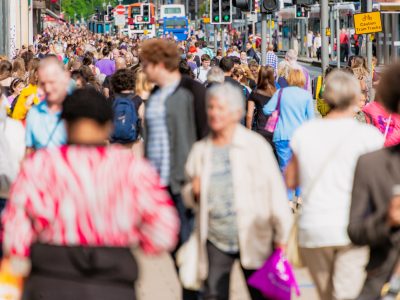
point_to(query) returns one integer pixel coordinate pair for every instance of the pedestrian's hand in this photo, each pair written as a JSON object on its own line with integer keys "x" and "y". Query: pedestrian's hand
{"x": 280, "y": 246}
{"x": 394, "y": 212}
{"x": 196, "y": 187}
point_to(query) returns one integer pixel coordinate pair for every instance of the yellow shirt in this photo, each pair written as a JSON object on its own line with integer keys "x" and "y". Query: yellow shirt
{"x": 21, "y": 108}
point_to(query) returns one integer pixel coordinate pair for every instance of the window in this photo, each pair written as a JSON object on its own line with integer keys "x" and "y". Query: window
{"x": 172, "y": 11}
{"x": 175, "y": 24}
{"x": 135, "y": 11}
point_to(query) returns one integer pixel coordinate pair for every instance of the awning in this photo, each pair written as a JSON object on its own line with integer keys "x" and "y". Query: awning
{"x": 390, "y": 7}
{"x": 53, "y": 15}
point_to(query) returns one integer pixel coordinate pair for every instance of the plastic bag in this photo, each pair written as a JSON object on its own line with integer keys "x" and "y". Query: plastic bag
{"x": 187, "y": 259}
{"x": 11, "y": 285}
{"x": 275, "y": 279}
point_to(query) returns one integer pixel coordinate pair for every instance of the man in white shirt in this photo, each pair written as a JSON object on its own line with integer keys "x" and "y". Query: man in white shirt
{"x": 201, "y": 73}
{"x": 310, "y": 36}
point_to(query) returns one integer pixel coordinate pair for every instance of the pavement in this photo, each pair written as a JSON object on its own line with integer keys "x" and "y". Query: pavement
{"x": 158, "y": 280}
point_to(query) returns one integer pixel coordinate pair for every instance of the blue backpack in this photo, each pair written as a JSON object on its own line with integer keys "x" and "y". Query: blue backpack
{"x": 126, "y": 121}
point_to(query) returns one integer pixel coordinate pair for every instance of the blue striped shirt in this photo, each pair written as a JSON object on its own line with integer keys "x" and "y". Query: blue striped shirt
{"x": 158, "y": 148}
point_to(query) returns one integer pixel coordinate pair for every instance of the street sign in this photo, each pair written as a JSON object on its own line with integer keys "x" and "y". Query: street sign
{"x": 368, "y": 22}
{"x": 239, "y": 22}
{"x": 206, "y": 20}
{"x": 251, "y": 18}
{"x": 328, "y": 31}
{"x": 120, "y": 10}
{"x": 119, "y": 20}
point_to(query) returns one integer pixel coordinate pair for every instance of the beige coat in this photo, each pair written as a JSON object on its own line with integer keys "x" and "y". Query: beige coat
{"x": 260, "y": 197}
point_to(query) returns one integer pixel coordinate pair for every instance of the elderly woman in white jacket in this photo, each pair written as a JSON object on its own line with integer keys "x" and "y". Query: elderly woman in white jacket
{"x": 238, "y": 192}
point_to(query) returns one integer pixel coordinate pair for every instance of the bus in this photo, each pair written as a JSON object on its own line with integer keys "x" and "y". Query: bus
{"x": 136, "y": 29}
{"x": 172, "y": 10}
{"x": 176, "y": 26}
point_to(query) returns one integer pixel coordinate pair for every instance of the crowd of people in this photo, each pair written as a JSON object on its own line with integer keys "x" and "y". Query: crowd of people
{"x": 109, "y": 143}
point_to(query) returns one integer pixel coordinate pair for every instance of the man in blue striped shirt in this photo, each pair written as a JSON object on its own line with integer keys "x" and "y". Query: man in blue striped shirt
{"x": 170, "y": 129}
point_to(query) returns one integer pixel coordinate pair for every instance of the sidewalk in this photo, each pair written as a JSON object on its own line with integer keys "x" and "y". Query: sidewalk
{"x": 312, "y": 61}
{"x": 158, "y": 280}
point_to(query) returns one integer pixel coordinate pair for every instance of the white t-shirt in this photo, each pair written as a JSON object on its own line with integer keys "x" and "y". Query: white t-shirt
{"x": 310, "y": 39}
{"x": 328, "y": 149}
{"x": 202, "y": 74}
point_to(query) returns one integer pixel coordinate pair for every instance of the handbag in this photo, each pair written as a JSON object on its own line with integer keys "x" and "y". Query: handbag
{"x": 275, "y": 279}
{"x": 292, "y": 249}
{"x": 187, "y": 260}
{"x": 273, "y": 119}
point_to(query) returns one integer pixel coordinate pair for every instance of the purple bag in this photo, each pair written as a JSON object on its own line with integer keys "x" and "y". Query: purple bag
{"x": 275, "y": 279}
{"x": 273, "y": 119}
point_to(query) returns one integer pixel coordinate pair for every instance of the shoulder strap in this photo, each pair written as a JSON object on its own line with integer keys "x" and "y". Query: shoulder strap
{"x": 278, "y": 104}
{"x": 387, "y": 127}
{"x": 52, "y": 132}
{"x": 326, "y": 163}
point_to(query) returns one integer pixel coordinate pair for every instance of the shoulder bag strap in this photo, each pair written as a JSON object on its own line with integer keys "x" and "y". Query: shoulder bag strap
{"x": 278, "y": 104}
{"x": 387, "y": 126}
{"x": 52, "y": 132}
{"x": 322, "y": 169}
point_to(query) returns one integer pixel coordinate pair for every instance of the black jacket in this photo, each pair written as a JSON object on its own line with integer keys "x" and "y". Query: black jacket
{"x": 375, "y": 176}
{"x": 198, "y": 91}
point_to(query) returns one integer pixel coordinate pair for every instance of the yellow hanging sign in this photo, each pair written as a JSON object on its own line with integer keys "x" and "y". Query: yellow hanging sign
{"x": 368, "y": 22}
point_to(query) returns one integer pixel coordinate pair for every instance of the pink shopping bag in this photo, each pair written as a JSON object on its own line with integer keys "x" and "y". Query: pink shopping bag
{"x": 275, "y": 279}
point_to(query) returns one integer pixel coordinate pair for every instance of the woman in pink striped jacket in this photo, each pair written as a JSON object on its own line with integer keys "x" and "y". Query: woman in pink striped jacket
{"x": 76, "y": 211}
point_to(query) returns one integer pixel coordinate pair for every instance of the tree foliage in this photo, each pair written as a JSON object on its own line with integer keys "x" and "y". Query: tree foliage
{"x": 84, "y": 8}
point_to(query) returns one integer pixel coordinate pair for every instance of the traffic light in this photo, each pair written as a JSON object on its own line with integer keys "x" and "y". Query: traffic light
{"x": 243, "y": 5}
{"x": 146, "y": 12}
{"x": 299, "y": 11}
{"x": 214, "y": 9}
{"x": 97, "y": 14}
{"x": 226, "y": 12}
{"x": 110, "y": 13}
{"x": 269, "y": 6}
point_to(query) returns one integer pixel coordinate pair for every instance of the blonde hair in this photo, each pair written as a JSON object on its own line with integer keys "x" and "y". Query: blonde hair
{"x": 143, "y": 85}
{"x": 296, "y": 77}
{"x": 283, "y": 69}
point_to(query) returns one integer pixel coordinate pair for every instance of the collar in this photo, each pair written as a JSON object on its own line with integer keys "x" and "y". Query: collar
{"x": 171, "y": 86}
{"x": 44, "y": 108}
{"x": 238, "y": 140}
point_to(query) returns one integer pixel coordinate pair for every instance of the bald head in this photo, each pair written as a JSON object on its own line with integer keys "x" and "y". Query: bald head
{"x": 120, "y": 63}
{"x": 53, "y": 79}
{"x": 270, "y": 47}
{"x": 53, "y": 63}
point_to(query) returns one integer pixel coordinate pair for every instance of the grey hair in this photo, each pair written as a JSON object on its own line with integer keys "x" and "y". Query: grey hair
{"x": 291, "y": 55}
{"x": 342, "y": 90}
{"x": 229, "y": 93}
{"x": 215, "y": 74}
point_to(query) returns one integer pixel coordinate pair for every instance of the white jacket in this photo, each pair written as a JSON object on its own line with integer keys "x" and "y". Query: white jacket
{"x": 260, "y": 197}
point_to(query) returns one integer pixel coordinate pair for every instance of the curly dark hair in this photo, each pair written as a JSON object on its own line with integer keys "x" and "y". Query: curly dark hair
{"x": 389, "y": 88}
{"x": 123, "y": 80}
